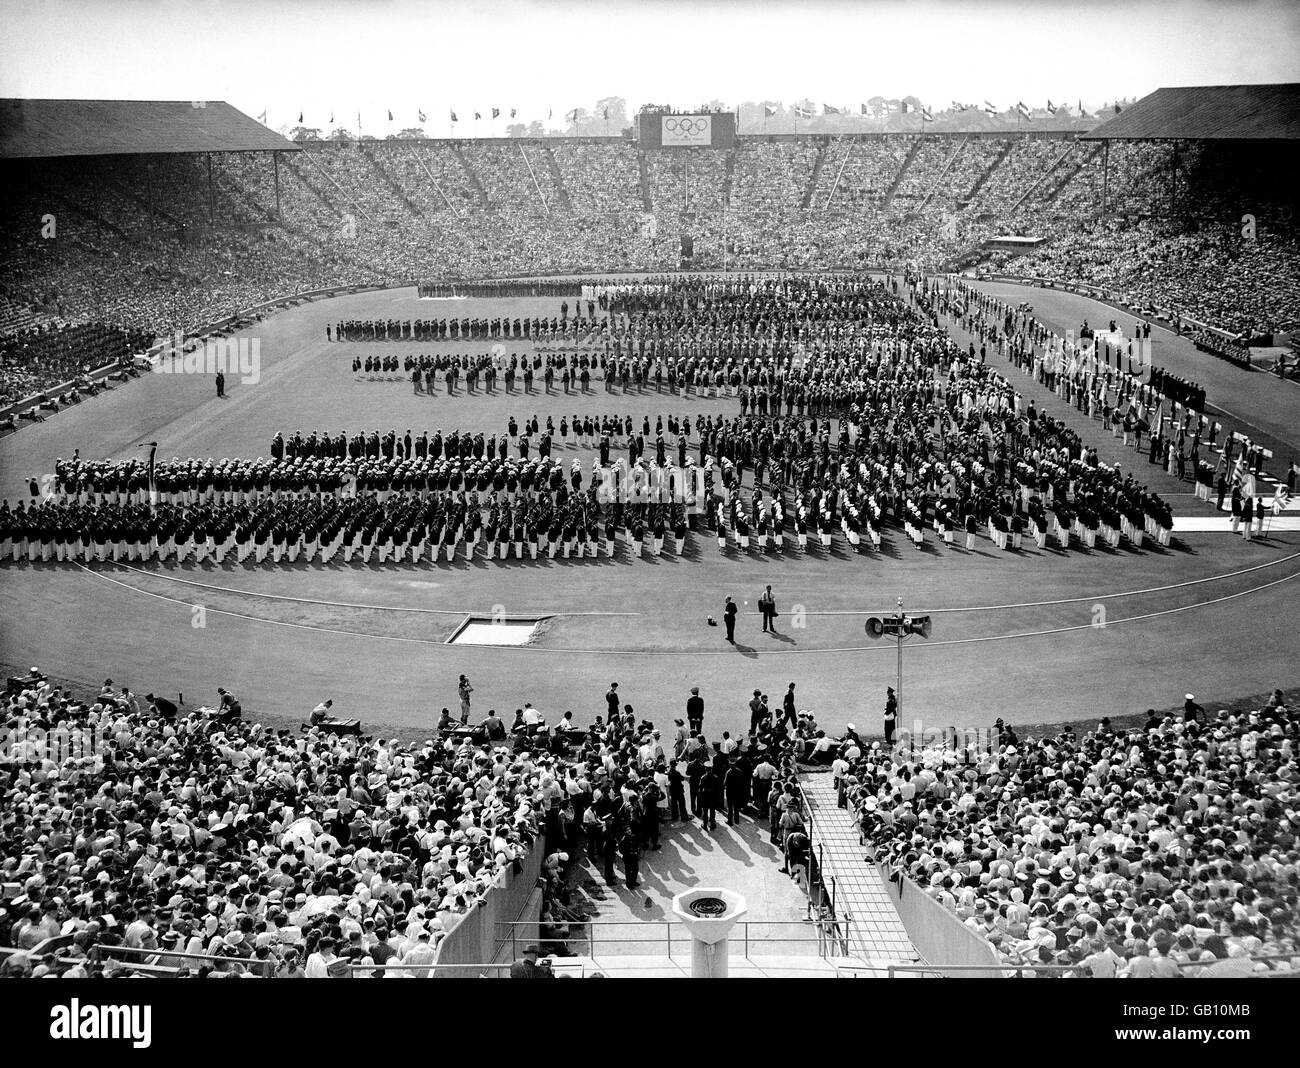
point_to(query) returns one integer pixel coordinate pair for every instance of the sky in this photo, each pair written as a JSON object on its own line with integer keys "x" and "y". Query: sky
{"x": 540, "y": 56}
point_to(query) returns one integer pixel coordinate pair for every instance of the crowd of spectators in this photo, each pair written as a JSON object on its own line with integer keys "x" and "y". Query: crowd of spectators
{"x": 134, "y": 833}
{"x": 1208, "y": 274}
{"x": 126, "y": 823}
{"x": 1131, "y": 852}
{"x": 37, "y": 358}
{"x": 160, "y": 255}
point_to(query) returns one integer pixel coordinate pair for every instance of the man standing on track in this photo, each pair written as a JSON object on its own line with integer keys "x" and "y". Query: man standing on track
{"x": 695, "y": 711}
{"x": 729, "y": 612}
{"x": 767, "y": 605}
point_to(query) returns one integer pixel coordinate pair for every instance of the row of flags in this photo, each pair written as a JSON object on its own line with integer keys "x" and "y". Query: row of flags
{"x": 884, "y": 107}
{"x": 571, "y": 116}
{"x": 902, "y": 107}
{"x": 495, "y": 113}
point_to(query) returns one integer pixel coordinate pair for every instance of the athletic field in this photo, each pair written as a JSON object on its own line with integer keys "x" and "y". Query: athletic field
{"x": 1035, "y": 636}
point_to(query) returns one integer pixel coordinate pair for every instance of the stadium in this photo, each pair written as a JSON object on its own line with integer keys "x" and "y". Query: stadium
{"x": 425, "y": 539}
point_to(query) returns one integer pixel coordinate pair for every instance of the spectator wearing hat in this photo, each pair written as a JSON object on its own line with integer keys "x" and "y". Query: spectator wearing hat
{"x": 528, "y": 968}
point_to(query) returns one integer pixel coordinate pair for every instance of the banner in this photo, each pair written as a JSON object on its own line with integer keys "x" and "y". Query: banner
{"x": 687, "y": 130}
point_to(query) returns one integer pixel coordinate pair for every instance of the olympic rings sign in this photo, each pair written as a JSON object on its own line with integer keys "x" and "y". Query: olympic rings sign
{"x": 686, "y": 125}
{"x": 688, "y": 130}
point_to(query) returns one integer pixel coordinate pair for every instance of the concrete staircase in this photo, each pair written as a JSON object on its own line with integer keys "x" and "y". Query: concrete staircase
{"x": 480, "y": 194}
{"x": 385, "y": 178}
{"x": 860, "y": 899}
{"x": 1072, "y": 172}
{"x": 818, "y": 163}
{"x": 553, "y": 168}
{"x": 938, "y": 181}
{"x": 902, "y": 173}
{"x": 982, "y": 180}
{"x": 1039, "y": 181}
{"x": 647, "y": 202}
{"x": 729, "y": 177}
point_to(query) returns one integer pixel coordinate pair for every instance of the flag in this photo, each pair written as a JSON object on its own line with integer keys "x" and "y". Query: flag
{"x": 1020, "y": 107}
{"x": 828, "y": 110}
{"x": 925, "y": 115}
{"x": 300, "y": 116}
{"x": 1051, "y": 108}
{"x": 607, "y": 114}
{"x": 477, "y": 116}
{"x": 902, "y": 106}
{"x": 572, "y": 116}
{"x": 989, "y": 109}
{"x": 1281, "y": 498}
{"x": 768, "y": 111}
{"x": 1245, "y": 477}
{"x": 390, "y": 115}
{"x": 496, "y": 112}
{"x": 453, "y": 117}
{"x": 153, "y": 484}
{"x": 331, "y": 118}
{"x": 512, "y": 113}
{"x": 421, "y": 114}
{"x": 802, "y": 113}
{"x": 550, "y": 113}
{"x": 262, "y": 118}
{"x": 958, "y": 107}
{"x": 1118, "y": 109}
{"x": 863, "y": 108}
{"x": 358, "y": 122}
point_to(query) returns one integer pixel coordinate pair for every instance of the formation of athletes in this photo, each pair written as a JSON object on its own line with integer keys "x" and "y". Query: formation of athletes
{"x": 858, "y": 419}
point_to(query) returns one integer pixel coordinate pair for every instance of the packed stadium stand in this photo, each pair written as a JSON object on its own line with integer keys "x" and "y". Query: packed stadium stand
{"x": 170, "y": 217}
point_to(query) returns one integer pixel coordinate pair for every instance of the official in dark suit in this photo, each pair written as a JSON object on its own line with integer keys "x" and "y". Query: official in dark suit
{"x": 709, "y": 790}
{"x": 729, "y": 612}
{"x": 695, "y": 711}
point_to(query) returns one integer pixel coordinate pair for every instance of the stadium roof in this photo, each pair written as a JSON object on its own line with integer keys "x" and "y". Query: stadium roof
{"x": 33, "y": 129}
{"x": 1209, "y": 112}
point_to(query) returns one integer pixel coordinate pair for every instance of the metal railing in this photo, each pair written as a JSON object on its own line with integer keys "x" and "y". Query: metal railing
{"x": 845, "y": 966}
{"x": 823, "y": 899}
{"x": 826, "y": 934}
{"x": 1011, "y": 970}
{"x": 573, "y": 969}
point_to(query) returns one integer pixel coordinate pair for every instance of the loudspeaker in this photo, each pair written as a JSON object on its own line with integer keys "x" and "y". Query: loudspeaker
{"x": 919, "y": 625}
{"x": 875, "y": 628}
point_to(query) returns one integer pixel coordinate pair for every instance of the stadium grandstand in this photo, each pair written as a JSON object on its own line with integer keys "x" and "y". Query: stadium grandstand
{"x": 160, "y": 214}
{"x": 875, "y": 363}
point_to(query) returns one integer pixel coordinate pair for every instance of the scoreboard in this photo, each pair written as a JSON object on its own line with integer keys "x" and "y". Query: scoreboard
{"x": 704, "y": 130}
